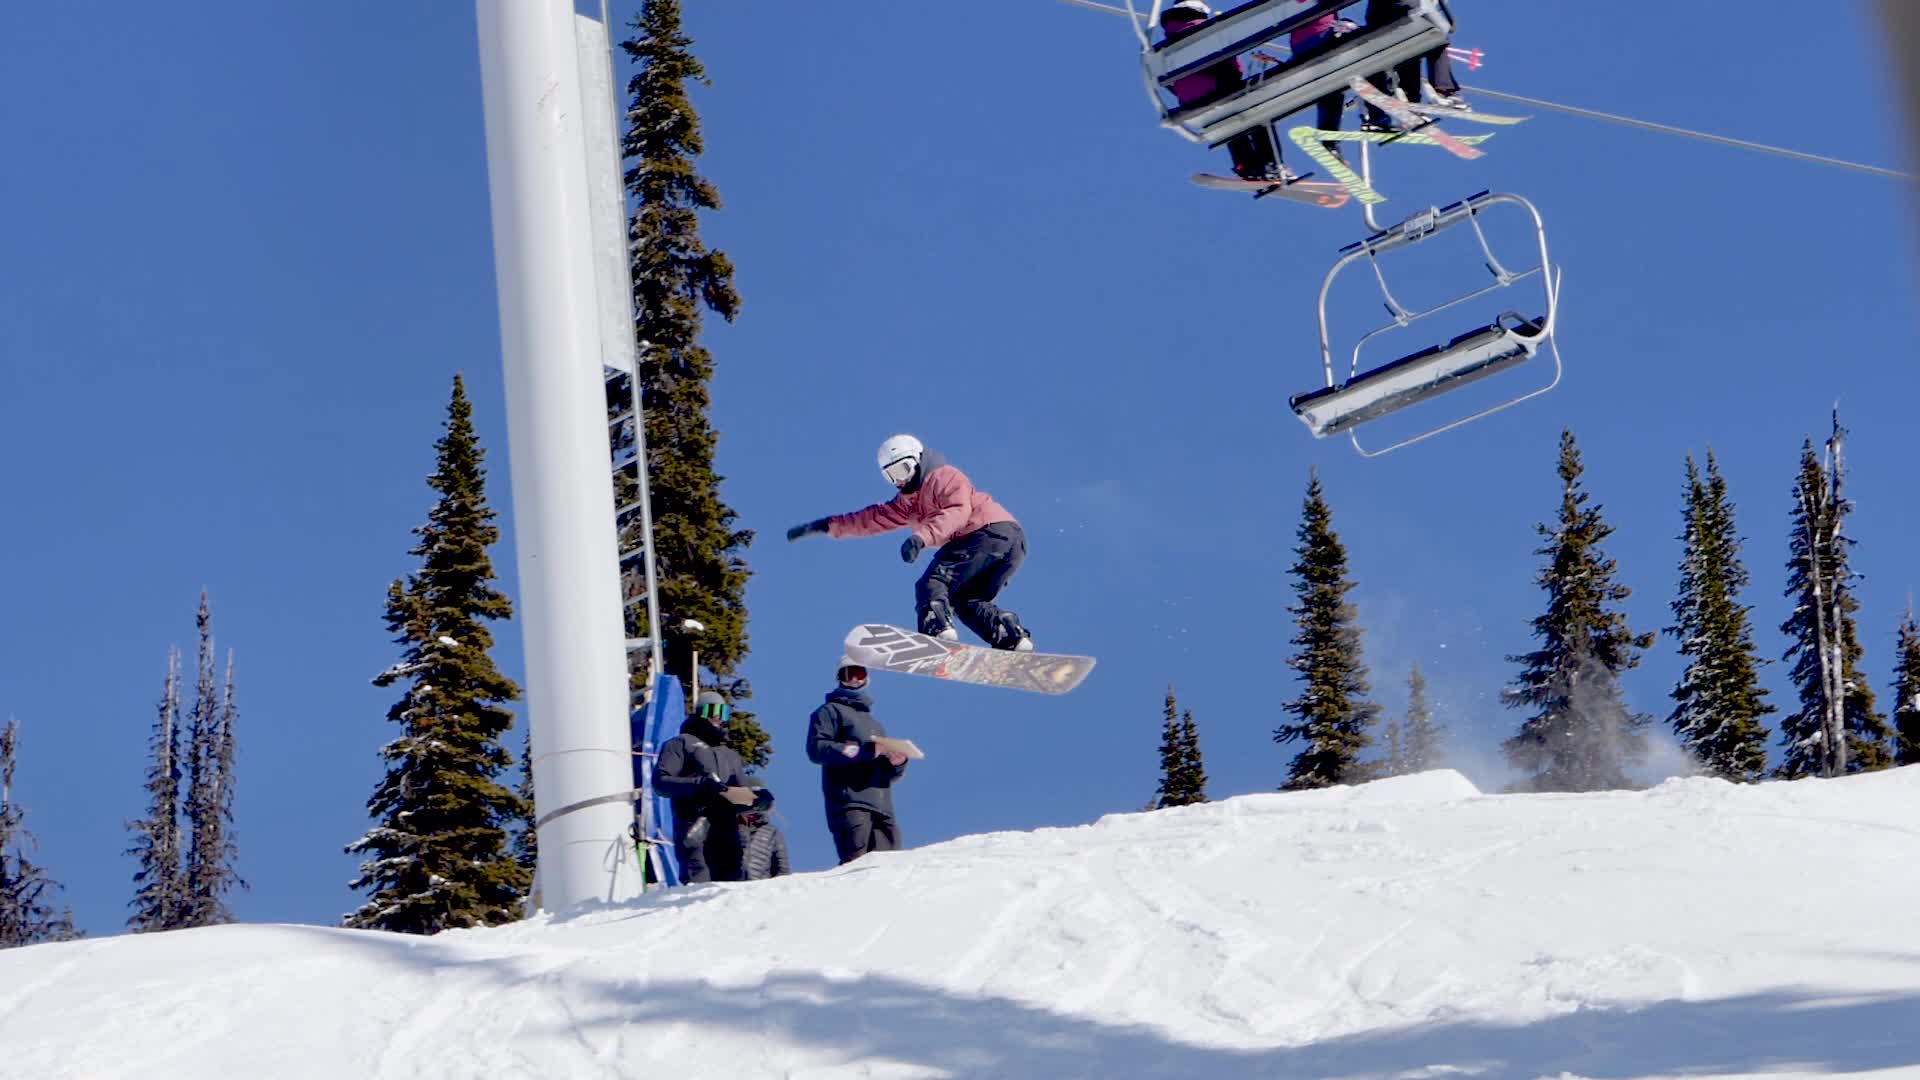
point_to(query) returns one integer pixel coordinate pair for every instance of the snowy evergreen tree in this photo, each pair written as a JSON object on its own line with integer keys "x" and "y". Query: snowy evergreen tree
{"x": 1422, "y": 750}
{"x": 1196, "y": 767}
{"x": 1906, "y": 693}
{"x": 1172, "y": 756}
{"x": 1580, "y": 735}
{"x": 1183, "y": 780}
{"x": 1718, "y": 703}
{"x": 160, "y": 900}
{"x": 1823, "y": 641}
{"x": 438, "y": 853}
{"x": 27, "y": 916}
{"x": 698, "y": 548}
{"x": 211, "y": 849}
{"x": 1332, "y": 712}
{"x": 526, "y": 840}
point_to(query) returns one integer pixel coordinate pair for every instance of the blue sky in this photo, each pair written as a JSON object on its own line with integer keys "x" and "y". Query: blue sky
{"x": 247, "y": 248}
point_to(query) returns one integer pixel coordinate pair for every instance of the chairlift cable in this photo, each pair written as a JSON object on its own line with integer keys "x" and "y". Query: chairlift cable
{"x": 1668, "y": 129}
{"x": 1645, "y": 125}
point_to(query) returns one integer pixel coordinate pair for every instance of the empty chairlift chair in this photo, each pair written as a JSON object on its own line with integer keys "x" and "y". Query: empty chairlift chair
{"x": 1287, "y": 88}
{"x": 1511, "y": 339}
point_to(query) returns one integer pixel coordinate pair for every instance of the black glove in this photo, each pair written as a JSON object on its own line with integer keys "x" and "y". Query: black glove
{"x": 801, "y": 532}
{"x": 910, "y": 548}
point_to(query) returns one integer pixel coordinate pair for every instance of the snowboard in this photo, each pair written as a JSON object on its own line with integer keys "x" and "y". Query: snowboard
{"x": 1409, "y": 119}
{"x": 899, "y": 746}
{"x": 1331, "y": 196}
{"x": 890, "y": 648}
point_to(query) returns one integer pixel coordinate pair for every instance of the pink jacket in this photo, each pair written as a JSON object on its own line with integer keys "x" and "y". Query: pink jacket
{"x": 944, "y": 506}
{"x": 1307, "y": 36}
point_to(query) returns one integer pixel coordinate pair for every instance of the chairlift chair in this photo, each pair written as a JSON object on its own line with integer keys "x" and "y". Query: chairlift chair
{"x": 1510, "y": 340}
{"x": 1287, "y": 88}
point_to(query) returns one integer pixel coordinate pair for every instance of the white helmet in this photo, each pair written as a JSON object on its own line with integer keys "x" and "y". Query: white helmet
{"x": 899, "y": 457}
{"x": 1192, "y": 9}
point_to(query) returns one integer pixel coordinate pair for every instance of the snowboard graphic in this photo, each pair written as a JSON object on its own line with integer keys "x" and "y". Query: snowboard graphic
{"x": 890, "y": 648}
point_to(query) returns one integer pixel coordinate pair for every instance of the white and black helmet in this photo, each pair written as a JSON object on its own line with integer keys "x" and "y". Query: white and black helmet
{"x": 899, "y": 459}
{"x": 1186, "y": 10}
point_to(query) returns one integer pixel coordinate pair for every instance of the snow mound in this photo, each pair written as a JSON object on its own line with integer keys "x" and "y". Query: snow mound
{"x": 1408, "y": 928}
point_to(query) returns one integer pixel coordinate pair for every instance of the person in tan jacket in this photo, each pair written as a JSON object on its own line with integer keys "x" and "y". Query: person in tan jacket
{"x": 978, "y": 543}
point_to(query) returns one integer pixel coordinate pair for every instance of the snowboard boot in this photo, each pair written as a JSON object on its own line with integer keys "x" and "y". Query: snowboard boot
{"x": 1008, "y": 634}
{"x": 935, "y": 622}
{"x": 1276, "y": 173}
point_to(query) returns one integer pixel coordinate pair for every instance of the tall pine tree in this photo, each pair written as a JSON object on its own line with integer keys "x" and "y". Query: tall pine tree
{"x": 1183, "y": 780}
{"x": 1332, "y": 711}
{"x": 211, "y": 848}
{"x": 1579, "y": 736}
{"x": 1395, "y": 763}
{"x": 1196, "y": 768}
{"x": 438, "y": 853}
{"x": 698, "y": 549}
{"x": 160, "y": 899}
{"x": 1906, "y": 693}
{"x": 1823, "y": 641}
{"x": 1422, "y": 750}
{"x": 1718, "y": 702}
{"x": 27, "y": 916}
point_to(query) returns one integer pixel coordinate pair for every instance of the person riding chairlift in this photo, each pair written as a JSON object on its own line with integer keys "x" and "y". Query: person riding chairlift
{"x": 1255, "y": 157}
{"x": 1439, "y": 65}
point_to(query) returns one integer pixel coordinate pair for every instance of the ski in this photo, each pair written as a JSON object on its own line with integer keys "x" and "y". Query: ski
{"x": 1441, "y": 112}
{"x": 1393, "y": 138}
{"x": 1308, "y": 140}
{"x": 1330, "y": 196}
{"x": 1410, "y": 120}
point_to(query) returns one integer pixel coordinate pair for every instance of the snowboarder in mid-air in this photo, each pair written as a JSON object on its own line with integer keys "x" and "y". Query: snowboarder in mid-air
{"x": 979, "y": 544}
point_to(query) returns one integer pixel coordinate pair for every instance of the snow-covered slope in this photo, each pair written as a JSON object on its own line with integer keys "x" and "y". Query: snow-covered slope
{"x": 1411, "y": 927}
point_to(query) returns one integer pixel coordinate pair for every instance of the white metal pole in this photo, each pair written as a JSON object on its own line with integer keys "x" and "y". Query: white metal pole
{"x": 552, "y": 345}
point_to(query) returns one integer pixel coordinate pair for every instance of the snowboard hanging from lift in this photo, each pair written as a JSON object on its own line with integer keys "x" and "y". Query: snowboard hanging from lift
{"x": 881, "y": 647}
{"x": 1312, "y": 193}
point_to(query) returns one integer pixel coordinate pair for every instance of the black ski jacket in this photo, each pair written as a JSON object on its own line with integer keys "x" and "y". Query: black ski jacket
{"x": 692, "y": 771}
{"x": 863, "y": 780}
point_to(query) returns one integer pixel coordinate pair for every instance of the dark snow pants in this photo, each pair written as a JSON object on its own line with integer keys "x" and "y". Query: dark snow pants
{"x": 716, "y": 857}
{"x": 968, "y": 572}
{"x": 1253, "y": 152}
{"x": 1439, "y": 72}
{"x": 858, "y": 830}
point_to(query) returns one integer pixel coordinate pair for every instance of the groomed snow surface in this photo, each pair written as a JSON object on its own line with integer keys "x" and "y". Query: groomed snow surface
{"x": 1408, "y": 928}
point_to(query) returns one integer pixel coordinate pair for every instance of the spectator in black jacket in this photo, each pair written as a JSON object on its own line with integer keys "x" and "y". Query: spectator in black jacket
{"x": 708, "y": 785}
{"x": 855, "y": 776}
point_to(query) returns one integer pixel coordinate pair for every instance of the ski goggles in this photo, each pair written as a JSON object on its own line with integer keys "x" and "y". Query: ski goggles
{"x": 899, "y": 470}
{"x": 718, "y": 713}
